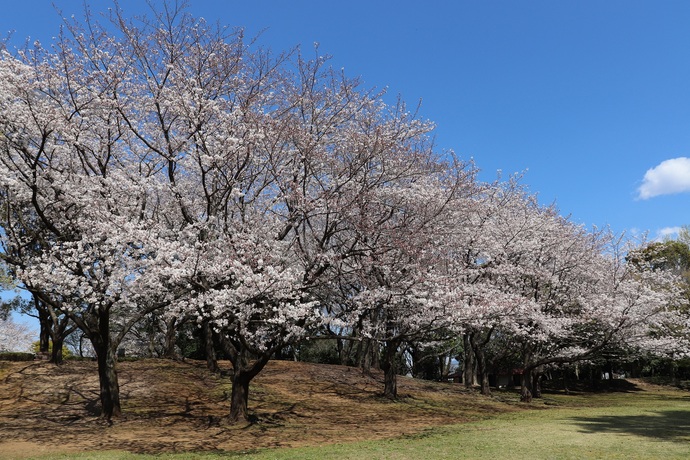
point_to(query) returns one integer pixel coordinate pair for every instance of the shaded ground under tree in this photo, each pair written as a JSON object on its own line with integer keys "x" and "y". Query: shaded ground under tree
{"x": 178, "y": 407}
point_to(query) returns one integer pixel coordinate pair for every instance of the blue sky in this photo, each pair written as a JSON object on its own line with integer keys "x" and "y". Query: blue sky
{"x": 584, "y": 96}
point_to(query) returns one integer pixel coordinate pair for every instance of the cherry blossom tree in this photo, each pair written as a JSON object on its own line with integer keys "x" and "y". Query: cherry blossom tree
{"x": 540, "y": 284}
{"x": 74, "y": 198}
{"x": 391, "y": 288}
{"x": 165, "y": 167}
{"x": 15, "y": 337}
{"x": 162, "y": 164}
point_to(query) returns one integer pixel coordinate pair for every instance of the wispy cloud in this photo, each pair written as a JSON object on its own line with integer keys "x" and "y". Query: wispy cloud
{"x": 667, "y": 178}
{"x": 667, "y": 232}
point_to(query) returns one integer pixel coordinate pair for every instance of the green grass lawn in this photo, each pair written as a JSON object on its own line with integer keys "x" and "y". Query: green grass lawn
{"x": 624, "y": 428}
{"x": 653, "y": 424}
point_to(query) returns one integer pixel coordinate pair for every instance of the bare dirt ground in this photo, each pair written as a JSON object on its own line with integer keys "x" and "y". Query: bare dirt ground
{"x": 180, "y": 407}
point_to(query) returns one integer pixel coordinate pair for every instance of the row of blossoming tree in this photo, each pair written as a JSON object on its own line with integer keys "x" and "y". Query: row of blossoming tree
{"x": 164, "y": 166}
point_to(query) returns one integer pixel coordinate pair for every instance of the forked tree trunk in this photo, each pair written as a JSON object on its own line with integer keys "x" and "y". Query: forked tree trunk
{"x": 243, "y": 371}
{"x": 59, "y": 332}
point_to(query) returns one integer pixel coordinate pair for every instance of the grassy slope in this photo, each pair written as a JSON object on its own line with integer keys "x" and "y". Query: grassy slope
{"x": 172, "y": 407}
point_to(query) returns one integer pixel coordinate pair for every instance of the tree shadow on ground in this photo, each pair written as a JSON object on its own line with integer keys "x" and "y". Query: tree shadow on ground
{"x": 664, "y": 425}
{"x": 588, "y": 386}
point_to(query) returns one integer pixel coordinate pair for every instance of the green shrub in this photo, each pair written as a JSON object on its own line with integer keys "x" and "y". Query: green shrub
{"x": 66, "y": 353}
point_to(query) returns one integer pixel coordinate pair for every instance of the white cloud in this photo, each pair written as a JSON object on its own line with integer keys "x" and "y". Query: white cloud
{"x": 667, "y": 178}
{"x": 667, "y": 232}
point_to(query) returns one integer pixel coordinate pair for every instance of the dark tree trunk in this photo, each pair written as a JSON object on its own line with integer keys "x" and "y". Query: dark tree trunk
{"x": 81, "y": 345}
{"x": 46, "y": 324}
{"x": 239, "y": 397}
{"x": 211, "y": 361}
{"x": 56, "y": 353}
{"x": 565, "y": 381}
{"x": 243, "y": 371}
{"x": 482, "y": 368}
{"x": 526, "y": 383}
{"x": 106, "y": 356}
{"x": 536, "y": 383}
{"x": 340, "y": 347}
{"x": 58, "y": 334}
{"x": 389, "y": 365}
{"x": 107, "y": 376}
{"x": 469, "y": 375}
{"x": 170, "y": 338}
{"x": 374, "y": 354}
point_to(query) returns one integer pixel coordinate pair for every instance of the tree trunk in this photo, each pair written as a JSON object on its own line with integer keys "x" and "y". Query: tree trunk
{"x": 211, "y": 361}
{"x": 526, "y": 386}
{"x": 46, "y": 324}
{"x": 374, "y": 354}
{"x": 565, "y": 381}
{"x": 482, "y": 369}
{"x": 365, "y": 356}
{"x": 389, "y": 365}
{"x": 170, "y": 336}
{"x": 81, "y": 345}
{"x": 469, "y": 376}
{"x": 58, "y": 334}
{"x": 106, "y": 356}
{"x": 239, "y": 397}
{"x": 536, "y": 383}
{"x": 56, "y": 352}
{"x": 243, "y": 371}
{"x": 107, "y": 375}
